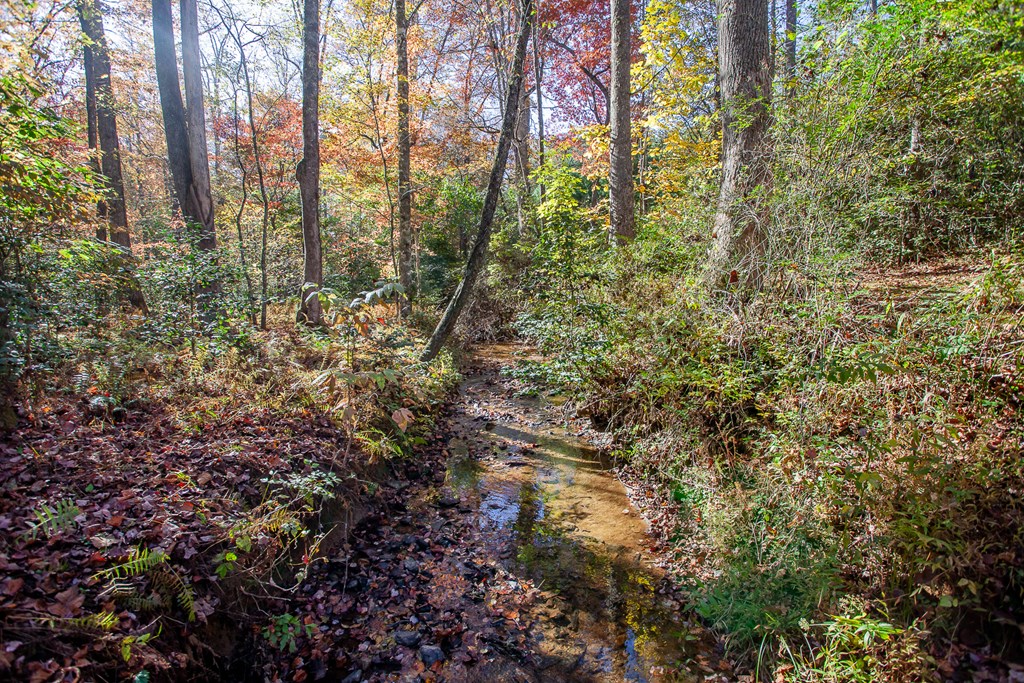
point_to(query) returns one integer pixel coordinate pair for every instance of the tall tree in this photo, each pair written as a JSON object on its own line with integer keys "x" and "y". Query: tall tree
{"x": 744, "y": 67}
{"x": 521, "y": 156}
{"x": 171, "y": 105}
{"x": 184, "y": 129}
{"x": 308, "y": 170}
{"x": 478, "y": 256}
{"x": 106, "y": 122}
{"x": 620, "y": 172}
{"x": 92, "y": 135}
{"x": 113, "y": 206}
{"x": 538, "y": 76}
{"x": 200, "y": 194}
{"x": 791, "y": 42}
{"x": 405, "y": 236}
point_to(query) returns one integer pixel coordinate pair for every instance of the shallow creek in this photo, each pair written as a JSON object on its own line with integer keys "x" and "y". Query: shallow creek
{"x": 565, "y": 521}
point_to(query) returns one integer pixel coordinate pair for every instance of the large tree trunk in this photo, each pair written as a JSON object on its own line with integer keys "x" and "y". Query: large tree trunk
{"x": 744, "y": 60}
{"x": 92, "y": 135}
{"x": 106, "y": 123}
{"x": 308, "y": 171}
{"x": 106, "y": 130}
{"x": 171, "y": 105}
{"x": 620, "y": 172}
{"x": 185, "y": 129}
{"x": 478, "y": 256}
{"x": 200, "y": 195}
{"x": 405, "y": 236}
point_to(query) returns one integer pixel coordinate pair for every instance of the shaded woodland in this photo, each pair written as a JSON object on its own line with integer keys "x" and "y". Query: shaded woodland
{"x": 262, "y": 263}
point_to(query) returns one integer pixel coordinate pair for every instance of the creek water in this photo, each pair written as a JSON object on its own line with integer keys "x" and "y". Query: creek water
{"x": 569, "y": 526}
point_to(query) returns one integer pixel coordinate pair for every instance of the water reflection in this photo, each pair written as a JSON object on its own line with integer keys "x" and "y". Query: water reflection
{"x": 574, "y": 534}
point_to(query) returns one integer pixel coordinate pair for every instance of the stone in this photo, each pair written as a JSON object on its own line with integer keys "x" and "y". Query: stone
{"x": 407, "y": 638}
{"x": 431, "y": 654}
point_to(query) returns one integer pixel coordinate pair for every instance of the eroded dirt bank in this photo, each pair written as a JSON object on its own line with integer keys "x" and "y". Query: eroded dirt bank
{"x": 523, "y": 561}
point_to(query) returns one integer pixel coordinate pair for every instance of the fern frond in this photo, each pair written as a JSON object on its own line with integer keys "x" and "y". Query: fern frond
{"x": 142, "y": 603}
{"x": 140, "y": 561}
{"x": 52, "y": 521}
{"x": 171, "y": 582}
{"x": 101, "y": 621}
{"x": 118, "y": 589}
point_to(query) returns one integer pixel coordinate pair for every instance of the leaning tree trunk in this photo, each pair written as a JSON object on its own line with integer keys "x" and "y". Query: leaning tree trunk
{"x": 744, "y": 61}
{"x": 478, "y": 256}
{"x": 110, "y": 146}
{"x": 620, "y": 172}
{"x": 405, "y": 236}
{"x": 308, "y": 171}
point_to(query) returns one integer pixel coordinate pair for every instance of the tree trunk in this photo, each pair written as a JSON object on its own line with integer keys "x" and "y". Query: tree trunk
{"x": 744, "y": 57}
{"x": 538, "y": 75}
{"x": 308, "y": 170}
{"x": 478, "y": 256}
{"x": 405, "y": 236}
{"x": 791, "y": 43}
{"x": 200, "y": 195}
{"x": 110, "y": 146}
{"x": 620, "y": 172}
{"x": 171, "y": 104}
{"x": 90, "y": 123}
{"x": 521, "y": 155}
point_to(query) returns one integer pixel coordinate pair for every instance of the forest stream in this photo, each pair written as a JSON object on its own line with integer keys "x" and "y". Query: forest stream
{"x": 559, "y": 516}
{"x": 524, "y": 560}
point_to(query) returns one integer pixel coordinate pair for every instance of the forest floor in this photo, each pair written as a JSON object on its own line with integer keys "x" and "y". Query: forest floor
{"x": 506, "y": 549}
{"x": 522, "y": 559}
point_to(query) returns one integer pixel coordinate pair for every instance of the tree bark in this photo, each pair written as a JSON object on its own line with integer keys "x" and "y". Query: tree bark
{"x": 200, "y": 195}
{"x": 478, "y": 255}
{"x": 620, "y": 172}
{"x": 405, "y": 236}
{"x": 109, "y": 144}
{"x": 171, "y": 105}
{"x": 90, "y": 123}
{"x": 538, "y": 75}
{"x": 106, "y": 123}
{"x": 308, "y": 170}
{"x": 790, "y": 44}
{"x": 744, "y": 59}
{"x": 521, "y": 155}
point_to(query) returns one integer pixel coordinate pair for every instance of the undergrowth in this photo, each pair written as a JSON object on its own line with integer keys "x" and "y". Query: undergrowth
{"x": 844, "y": 461}
{"x": 242, "y": 455}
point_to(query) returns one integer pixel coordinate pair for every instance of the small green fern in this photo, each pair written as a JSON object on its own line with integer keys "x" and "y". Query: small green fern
{"x": 100, "y": 621}
{"x": 52, "y": 521}
{"x": 140, "y": 561}
{"x": 169, "y": 581}
{"x": 130, "y": 595}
